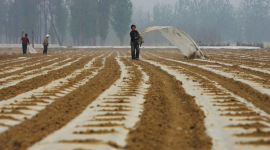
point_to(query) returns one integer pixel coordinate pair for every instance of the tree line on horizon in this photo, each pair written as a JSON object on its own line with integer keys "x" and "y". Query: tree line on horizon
{"x": 82, "y": 20}
{"x": 210, "y": 21}
{"x": 103, "y": 22}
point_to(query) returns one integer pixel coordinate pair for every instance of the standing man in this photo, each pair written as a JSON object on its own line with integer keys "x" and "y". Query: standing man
{"x": 134, "y": 34}
{"x": 25, "y": 41}
{"x": 46, "y": 44}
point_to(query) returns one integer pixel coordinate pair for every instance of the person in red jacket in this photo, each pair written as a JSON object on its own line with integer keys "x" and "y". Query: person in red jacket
{"x": 25, "y": 41}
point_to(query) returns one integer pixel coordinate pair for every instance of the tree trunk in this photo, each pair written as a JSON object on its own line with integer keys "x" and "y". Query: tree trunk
{"x": 9, "y": 39}
{"x": 52, "y": 34}
{"x": 6, "y": 34}
{"x": 79, "y": 38}
{"x": 45, "y": 19}
{"x": 80, "y": 33}
{"x": 40, "y": 38}
{"x": 33, "y": 40}
{"x": 22, "y": 33}
{"x": 55, "y": 31}
{"x": 94, "y": 41}
{"x": 121, "y": 42}
{"x": 58, "y": 38}
{"x": 102, "y": 42}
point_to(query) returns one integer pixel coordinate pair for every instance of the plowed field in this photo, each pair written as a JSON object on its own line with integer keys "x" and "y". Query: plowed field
{"x": 101, "y": 99}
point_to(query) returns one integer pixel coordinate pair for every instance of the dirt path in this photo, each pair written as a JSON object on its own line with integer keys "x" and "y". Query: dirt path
{"x": 54, "y": 116}
{"x": 171, "y": 118}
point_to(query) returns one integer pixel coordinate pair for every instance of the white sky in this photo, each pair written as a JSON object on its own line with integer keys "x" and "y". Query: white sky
{"x": 148, "y": 4}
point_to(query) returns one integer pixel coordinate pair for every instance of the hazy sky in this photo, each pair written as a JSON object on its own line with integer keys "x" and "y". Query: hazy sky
{"x": 148, "y": 4}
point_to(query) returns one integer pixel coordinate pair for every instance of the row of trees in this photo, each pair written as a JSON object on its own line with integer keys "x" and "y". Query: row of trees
{"x": 91, "y": 22}
{"x": 210, "y": 21}
{"x": 83, "y": 20}
{"x": 39, "y": 16}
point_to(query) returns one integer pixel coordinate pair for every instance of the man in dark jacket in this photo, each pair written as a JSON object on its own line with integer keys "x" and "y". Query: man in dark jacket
{"x": 134, "y": 34}
{"x": 25, "y": 41}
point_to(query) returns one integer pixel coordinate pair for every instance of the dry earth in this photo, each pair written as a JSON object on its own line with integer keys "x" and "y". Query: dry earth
{"x": 101, "y": 99}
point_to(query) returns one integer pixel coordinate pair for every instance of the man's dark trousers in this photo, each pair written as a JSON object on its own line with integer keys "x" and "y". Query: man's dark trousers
{"x": 135, "y": 45}
{"x": 24, "y": 46}
{"x": 45, "y": 49}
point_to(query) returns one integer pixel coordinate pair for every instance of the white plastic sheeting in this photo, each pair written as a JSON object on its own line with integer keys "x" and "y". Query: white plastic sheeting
{"x": 179, "y": 38}
{"x": 32, "y": 50}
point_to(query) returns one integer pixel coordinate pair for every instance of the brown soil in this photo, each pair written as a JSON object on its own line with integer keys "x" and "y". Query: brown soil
{"x": 91, "y": 141}
{"x": 103, "y": 125}
{"x": 95, "y": 132}
{"x": 265, "y": 119}
{"x": 171, "y": 118}
{"x": 258, "y": 133}
{"x": 261, "y": 142}
{"x": 248, "y": 126}
{"x": 243, "y": 114}
{"x": 59, "y": 113}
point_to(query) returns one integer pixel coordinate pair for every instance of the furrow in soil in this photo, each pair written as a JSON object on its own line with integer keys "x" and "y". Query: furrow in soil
{"x": 85, "y": 85}
{"x": 231, "y": 121}
{"x": 105, "y": 123}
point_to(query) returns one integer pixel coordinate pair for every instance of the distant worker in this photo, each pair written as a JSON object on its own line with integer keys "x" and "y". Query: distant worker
{"x": 25, "y": 41}
{"x": 134, "y": 35}
{"x": 46, "y": 44}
